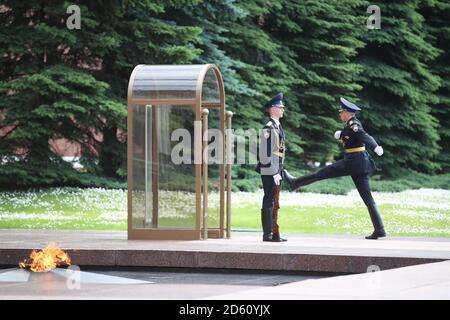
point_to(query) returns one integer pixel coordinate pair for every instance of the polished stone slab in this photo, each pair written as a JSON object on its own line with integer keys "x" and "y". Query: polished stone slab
{"x": 423, "y": 282}
{"x": 428, "y": 281}
{"x": 245, "y": 250}
{"x": 63, "y": 276}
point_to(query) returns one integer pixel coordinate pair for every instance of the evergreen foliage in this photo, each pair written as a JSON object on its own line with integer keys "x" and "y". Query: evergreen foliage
{"x": 436, "y": 14}
{"x": 399, "y": 88}
{"x": 61, "y": 83}
{"x": 58, "y": 83}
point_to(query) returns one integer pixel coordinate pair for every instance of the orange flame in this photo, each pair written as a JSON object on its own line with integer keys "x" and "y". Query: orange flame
{"x": 46, "y": 259}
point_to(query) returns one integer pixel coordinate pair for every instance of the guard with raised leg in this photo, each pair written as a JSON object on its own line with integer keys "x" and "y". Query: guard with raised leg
{"x": 357, "y": 163}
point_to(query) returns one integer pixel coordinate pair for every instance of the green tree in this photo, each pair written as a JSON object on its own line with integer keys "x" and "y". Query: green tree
{"x": 303, "y": 48}
{"x": 399, "y": 88}
{"x": 145, "y": 34}
{"x": 61, "y": 83}
{"x": 232, "y": 39}
{"x": 318, "y": 40}
{"x": 249, "y": 60}
{"x": 436, "y": 14}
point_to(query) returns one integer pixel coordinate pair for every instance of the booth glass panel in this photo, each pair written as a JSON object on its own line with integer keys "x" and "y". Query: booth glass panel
{"x": 214, "y": 158}
{"x": 164, "y": 183}
{"x": 177, "y": 178}
{"x": 210, "y": 90}
{"x": 138, "y": 164}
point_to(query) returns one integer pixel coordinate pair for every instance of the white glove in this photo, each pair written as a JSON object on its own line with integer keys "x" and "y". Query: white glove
{"x": 277, "y": 179}
{"x": 337, "y": 134}
{"x": 379, "y": 150}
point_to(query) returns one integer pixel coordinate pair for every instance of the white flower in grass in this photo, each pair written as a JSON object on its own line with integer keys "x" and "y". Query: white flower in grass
{"x": 437, "y": 199}
{"x": 110, "y": 216}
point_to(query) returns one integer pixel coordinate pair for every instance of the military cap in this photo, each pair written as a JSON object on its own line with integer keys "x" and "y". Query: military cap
{"x": 348, "y": 106}
{"x": 276, "y": 101}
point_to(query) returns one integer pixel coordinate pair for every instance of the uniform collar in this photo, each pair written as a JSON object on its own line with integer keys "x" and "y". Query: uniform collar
{"x": 351, "y": 119}
{"x": 277, "y": 122}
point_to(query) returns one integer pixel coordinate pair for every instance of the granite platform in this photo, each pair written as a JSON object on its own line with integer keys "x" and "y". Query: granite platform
{"x": 335, "y": 254}
{"x": 423, "y": 282}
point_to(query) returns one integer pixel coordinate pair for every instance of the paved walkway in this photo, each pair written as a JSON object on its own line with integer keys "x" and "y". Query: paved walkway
{"x": 429, "y": 281}
{"x": 423, "y": 282}
{"x": 321, "y": 253}
{"x": 325, "y": 253}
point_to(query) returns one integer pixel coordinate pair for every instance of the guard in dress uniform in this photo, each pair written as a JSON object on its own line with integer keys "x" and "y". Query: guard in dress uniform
{"x": 270, "y": 165}
{"x": 357, "y": 163}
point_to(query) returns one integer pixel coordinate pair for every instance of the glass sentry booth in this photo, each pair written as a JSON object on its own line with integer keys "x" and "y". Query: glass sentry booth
{"x": 179, "y": 182}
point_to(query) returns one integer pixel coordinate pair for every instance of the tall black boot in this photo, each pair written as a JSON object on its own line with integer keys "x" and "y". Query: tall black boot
{"x": 295, "y": 183}
{"x": 266, "y": 220}
{"x": 288, "y": 177}
{"x": 375, "y": 216}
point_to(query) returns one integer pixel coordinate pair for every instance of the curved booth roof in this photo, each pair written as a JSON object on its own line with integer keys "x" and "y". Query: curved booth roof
{"x": 176, "y": 85}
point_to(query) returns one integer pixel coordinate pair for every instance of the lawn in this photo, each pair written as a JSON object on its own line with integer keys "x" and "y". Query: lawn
{"x": 422, "y": 212}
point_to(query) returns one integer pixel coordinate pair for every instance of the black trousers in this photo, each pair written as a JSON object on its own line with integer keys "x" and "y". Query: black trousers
{"x": 269, "y": 213}
{"x": 269, "y": 191}
{"x": 344, "y": 168}
{"x": 338, "y": 169}
{"x": 359, "y": 171}
{"x": 362, "y": 185}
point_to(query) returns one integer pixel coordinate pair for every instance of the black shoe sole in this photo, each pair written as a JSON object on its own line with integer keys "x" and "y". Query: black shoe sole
{"x": 375, "y": 238}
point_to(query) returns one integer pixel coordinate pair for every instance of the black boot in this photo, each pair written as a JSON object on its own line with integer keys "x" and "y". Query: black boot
{"x": 277, "y": 238}
{"x": 288, "y": 177}
{"x": 295, "y": 183}
{"x": 377, "y": 223}
{"x": 266, "y": 220}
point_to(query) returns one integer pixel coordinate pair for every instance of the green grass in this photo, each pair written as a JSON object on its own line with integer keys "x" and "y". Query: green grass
{"x": 336, "y": 220}
{"x": 422, "y": 212}
{"x": 64, "y": 208}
